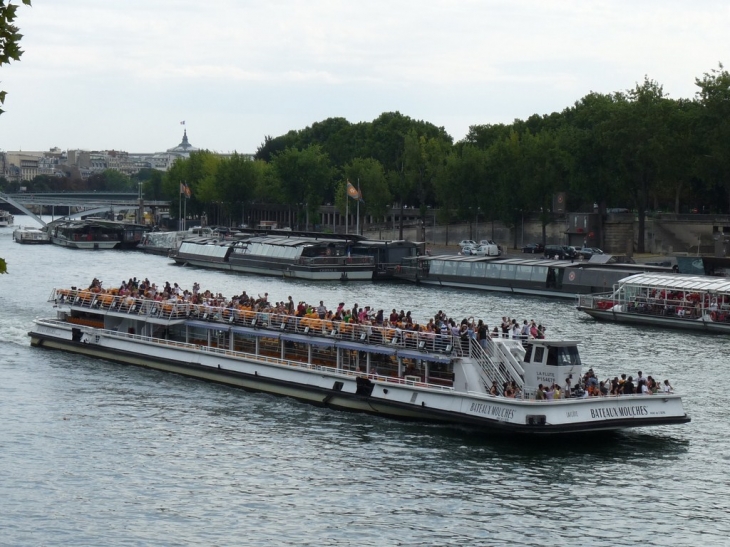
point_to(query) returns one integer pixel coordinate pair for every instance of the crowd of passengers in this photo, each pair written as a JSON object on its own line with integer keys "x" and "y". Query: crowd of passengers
{"x": 440, "y": 323}
{"x": 587, "y": 386}
{"x": 692, "y": 305}
{"x": 590, "y": 386}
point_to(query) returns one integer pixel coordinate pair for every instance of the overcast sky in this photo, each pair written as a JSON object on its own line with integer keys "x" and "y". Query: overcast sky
{"x": 98, "y": 74}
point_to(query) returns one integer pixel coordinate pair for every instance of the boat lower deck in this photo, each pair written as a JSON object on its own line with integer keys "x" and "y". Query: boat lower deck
{"x": 347, "y": 389}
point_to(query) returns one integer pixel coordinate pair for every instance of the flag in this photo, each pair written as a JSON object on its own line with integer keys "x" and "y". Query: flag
{"x": 185, "y": 189}
{"x": 353, "y": 192}
{"x": 182, "y": 122}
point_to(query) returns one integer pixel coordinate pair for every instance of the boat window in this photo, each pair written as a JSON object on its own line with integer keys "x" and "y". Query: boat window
{"x": 528, "y": 353}
{"x": 478, "y": 269}
{"x": 437, "y": 267}
{"x": 493, "y": 270}
{"x": 539, "y": 274}
{"x": 539, "y": 354}
{"x": 464, "y": 269}
{"x": 508, "y": 271}
{"x": 449, "y": 267}
{"x": 563, "y": 356}
{"x": 523, "y": 273}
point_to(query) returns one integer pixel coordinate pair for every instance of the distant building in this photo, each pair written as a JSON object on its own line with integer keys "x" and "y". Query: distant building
{"x": 24, "y": 166}
{"x": 184, "y": 148}
{"x": 20, "y": 166}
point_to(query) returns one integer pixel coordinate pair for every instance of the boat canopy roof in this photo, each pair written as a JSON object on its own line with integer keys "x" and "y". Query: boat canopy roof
{"x": 293, "y": 241}
{"x": 496, "y": 260}
{"x": 678, "y": 282}
{"x": 212, "y": 251}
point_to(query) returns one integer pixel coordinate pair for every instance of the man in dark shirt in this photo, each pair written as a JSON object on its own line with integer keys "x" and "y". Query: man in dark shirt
{"x": 629, "y": 386}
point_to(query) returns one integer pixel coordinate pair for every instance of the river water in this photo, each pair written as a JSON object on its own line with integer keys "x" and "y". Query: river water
{"x": 96, "y": 453}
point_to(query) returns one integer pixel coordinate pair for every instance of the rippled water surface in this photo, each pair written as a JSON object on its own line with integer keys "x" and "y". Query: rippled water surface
{"x": 96, "y": 453}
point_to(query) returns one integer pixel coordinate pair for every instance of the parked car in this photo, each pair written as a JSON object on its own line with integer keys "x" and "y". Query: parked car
{"x": 491, "y": 242}
{"x": 467, "y": 243}
{"x": 559, "y": 251}
{"x": 533, "y": 248}
{"x": 588, "y": 252}
{"x": 486, "y": 250}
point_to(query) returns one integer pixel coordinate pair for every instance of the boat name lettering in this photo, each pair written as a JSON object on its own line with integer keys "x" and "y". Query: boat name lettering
{"x": 546, "y": 377}
{"x": 491, "y": 410}
{"x": 571, "y": 414}
{"x": 619, "y": 412}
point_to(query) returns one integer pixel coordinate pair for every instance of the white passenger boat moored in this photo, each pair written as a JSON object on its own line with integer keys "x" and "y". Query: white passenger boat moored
{"x": 679, "y": 301}
{"x": 31, "y": 236}
{"x": 386, "y": 371}
{"x": 6, "y": 219}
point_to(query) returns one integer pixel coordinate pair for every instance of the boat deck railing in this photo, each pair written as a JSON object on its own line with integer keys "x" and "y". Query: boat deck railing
{"x": 666, "y": 307}
{"x": 169, "y": 311}
{"x": 266, "y": 359}
{"x": 339, "y": 261}
{"x": 591, "y": 301}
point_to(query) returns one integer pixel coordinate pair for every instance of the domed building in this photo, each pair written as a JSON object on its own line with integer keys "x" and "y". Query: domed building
{"x": 184, "y": 148}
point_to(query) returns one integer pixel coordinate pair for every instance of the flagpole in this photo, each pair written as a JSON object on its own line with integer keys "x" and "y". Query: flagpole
{"x": 179, "y": 211}
{"x": 358, "y": 207}
{"x": 347, "y": 212}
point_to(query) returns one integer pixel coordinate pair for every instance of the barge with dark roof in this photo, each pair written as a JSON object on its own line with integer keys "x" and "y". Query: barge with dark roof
{"x": 540, "y": 277}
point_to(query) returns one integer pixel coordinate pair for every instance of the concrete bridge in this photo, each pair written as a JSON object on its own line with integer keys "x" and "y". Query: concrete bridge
{"x": 89, "y": 202}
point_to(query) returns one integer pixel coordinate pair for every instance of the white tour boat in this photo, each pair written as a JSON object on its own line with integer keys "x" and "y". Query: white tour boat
{"x": 385, "y": 371}
{"x": 30, "y": 236}
{"x": 6, "y": 219}
{"x": 692, "y": 302}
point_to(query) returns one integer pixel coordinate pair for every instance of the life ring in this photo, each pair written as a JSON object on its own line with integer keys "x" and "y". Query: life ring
{"x": 713, "y": 316}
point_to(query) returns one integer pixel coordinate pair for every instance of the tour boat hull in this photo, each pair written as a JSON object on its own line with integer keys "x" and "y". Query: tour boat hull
{"x": 702, "y": 324}
{"x": 355, "y": 391}
{"x": 676, "y": 301}
{"x": 283, "y": 270}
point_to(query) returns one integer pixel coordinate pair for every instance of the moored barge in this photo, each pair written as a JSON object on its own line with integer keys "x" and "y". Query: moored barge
{"x": 537, "y": 277}
{"x": 314, "y": 259}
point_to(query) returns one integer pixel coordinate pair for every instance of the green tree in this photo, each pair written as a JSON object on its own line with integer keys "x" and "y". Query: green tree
{"x": 713, "y": 97}
{"x": 367, "y": 174}
{"x": 464, "y": 187}
{"x": 306, "y": 178}
{"x": 9, "y": 37}
{"x": 9, "y": 51}
{"x": 198, "y": 173}
{"x": 545, "y": 172}
{"x": 237, "y": 179}
{"x": 636, "y": 135}
{"x": 151, "y": 180}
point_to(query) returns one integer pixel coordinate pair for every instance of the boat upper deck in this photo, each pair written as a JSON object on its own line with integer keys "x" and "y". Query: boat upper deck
{"x": 678, "y": 282}
{"x": 385, "y": 340}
